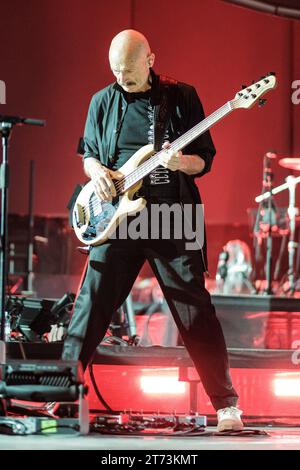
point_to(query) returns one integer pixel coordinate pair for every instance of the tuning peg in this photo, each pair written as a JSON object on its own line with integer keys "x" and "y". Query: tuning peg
{"x": 261, "y": 102}
{"x": 244, "y": 86}
{"x": 272, "y": 73}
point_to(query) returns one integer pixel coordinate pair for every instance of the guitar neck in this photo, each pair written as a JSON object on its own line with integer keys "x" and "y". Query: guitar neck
{"x": 200, "y": 128}
{"x": 153, "y": 162}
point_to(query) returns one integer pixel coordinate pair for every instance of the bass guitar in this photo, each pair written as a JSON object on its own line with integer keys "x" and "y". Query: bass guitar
{"x": 95, "y": 220}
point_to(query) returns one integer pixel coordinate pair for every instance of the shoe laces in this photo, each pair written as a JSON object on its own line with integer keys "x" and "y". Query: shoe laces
{"x": 229, "y": 411}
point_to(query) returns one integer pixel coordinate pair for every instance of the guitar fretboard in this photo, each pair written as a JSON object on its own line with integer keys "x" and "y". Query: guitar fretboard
{"x": 153, "y": 162}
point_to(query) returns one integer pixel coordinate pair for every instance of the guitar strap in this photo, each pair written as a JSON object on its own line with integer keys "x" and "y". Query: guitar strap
{"x": 162, "y": 110}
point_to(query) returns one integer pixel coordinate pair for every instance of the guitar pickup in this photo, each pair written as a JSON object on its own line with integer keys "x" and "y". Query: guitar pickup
{"x": 159, "y": 176}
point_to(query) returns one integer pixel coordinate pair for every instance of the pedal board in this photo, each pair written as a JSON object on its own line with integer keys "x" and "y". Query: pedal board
{"x": 140, "y": 422}
{"x": 38, "y": 425}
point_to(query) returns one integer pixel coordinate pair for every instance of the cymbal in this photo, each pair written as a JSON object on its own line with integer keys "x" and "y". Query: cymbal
{"x": 290, "y": 163}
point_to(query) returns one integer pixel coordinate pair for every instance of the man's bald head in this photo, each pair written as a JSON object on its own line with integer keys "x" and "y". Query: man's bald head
{"x": 129, "y": 43}
{"x": 130, "y": 59}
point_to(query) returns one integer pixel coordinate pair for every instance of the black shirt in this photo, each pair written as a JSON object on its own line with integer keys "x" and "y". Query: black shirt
{"x": 137, "y": 131}
{"x": 137, "y": 127}
{"x": 108, "y": 109}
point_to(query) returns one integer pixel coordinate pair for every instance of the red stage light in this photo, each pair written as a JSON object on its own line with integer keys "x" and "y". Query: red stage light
{"x": 162, "y": 384}
{"x": 287, "y": 384}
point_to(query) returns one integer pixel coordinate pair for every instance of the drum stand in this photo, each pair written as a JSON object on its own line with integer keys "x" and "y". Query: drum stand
{"x": 292, "y": 244}
{"x": 290, "y": 184}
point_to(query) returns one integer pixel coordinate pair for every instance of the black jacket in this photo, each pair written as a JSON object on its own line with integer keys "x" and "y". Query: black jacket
{"x": 104, "y": 120}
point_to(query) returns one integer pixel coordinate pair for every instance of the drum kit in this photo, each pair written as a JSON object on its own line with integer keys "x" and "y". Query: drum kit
{"x": 266, "y": 199}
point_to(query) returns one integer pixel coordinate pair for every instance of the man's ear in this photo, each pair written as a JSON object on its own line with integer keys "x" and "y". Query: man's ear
{"x": 151, "y": 59}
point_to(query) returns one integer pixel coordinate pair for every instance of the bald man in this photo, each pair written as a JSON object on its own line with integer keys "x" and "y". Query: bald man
{"x": 142, "y": 108}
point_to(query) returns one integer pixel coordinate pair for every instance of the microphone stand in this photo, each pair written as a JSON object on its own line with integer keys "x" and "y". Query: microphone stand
{"x": 292, "y": 244}
{"x": 269, "y": 259}
{"x": 269, "y": 207}
{"x": 291, "y": 182}
{"x": 6, "y": 126}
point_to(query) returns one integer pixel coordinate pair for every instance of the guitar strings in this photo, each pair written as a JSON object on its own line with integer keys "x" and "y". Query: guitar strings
{"x": 175, "y": 145}
{"x": 146, "y": 167}
{"x": 180, "y": 142}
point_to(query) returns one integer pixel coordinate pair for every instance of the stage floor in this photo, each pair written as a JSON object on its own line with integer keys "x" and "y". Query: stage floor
{"x": 279, "y": 438}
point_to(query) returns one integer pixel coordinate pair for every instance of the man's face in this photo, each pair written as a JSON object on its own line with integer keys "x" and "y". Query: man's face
{"x": 132, "y": 73}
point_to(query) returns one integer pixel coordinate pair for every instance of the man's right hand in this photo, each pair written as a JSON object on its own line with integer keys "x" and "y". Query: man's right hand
{"x": 101, "y": 178}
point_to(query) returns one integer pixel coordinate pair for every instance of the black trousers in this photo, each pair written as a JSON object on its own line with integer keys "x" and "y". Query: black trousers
{"x": 112, "y": 270}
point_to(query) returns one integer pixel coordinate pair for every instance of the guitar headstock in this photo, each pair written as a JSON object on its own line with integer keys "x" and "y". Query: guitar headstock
{"x": 248, "y": 96}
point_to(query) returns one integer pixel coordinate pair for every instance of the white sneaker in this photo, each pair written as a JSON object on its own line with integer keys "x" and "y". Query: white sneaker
{"x": 229, "y": 419}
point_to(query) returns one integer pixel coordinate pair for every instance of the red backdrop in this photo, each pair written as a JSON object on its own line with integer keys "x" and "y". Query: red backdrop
{"x": 54, "y": 57}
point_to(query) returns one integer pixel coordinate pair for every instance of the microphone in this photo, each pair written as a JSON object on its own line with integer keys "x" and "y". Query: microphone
{"x": 34, "y": 122}
{"x": 267, "y": 169}
{"x": 271, "y": 154}
{"x": 20, "y": 120}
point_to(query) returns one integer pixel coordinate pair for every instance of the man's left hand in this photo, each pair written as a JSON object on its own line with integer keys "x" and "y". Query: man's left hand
{"x": 170, "y": 159}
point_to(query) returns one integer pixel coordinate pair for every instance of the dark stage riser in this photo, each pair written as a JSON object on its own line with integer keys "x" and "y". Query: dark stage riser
{"x": 245, "y": 320}
{"x": 248, "y": 321}
{"x": 159, "y": 356}
{"x": 259, "y": 321}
